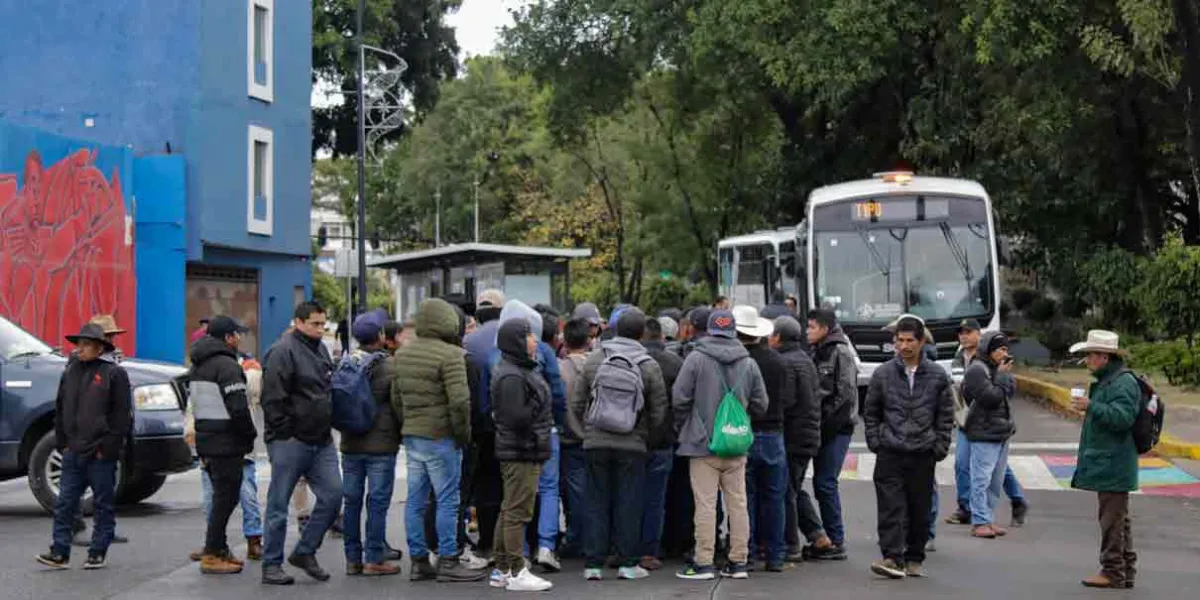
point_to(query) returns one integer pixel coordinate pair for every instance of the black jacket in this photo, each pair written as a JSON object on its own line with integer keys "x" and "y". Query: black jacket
{"x": 780, "y": 396}
{"x": 93, "y": 412}
{"x": 217, "y": 392}
{"x": 384, "y": 436}
{"x": 838, "y": 389}
{"x": 989, "y": 394}
{"x": 917, "y": 420}
{"x": 663, "y": 436}
{"x": 521, "y": 404}
{"x": 802, "y": 420}
{"x": 297, "y": 399}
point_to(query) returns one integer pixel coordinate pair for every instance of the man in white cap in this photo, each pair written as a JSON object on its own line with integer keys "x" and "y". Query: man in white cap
{"x": 1108, "y": 456}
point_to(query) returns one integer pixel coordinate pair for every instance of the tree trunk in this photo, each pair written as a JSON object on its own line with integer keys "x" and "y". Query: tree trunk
{"x": 1189, "y": 85}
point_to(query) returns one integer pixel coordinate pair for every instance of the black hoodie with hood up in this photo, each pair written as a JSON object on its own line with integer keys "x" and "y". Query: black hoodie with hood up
{"x": 521, "y": 404}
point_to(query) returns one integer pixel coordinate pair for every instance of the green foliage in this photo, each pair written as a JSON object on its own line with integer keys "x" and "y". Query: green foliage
{"x": 1176, "y": 361}
{"x": 1042, "y": 309}
{"x": 1058, "y": 336}
{"x": 1168, "y": 295}
{"x": 1024, "y": 297}
{"x": 330, "y": 292}
{"x": 1108, "y": 281}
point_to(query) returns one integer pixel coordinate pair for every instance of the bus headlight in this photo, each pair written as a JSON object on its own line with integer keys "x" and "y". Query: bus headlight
{"x": 158, "y": 396}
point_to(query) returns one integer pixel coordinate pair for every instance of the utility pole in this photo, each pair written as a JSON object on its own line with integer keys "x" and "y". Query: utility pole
{"x": 477, "y": 183}
{"x": 362, "y": 161}
{"x": 437, "y": 218}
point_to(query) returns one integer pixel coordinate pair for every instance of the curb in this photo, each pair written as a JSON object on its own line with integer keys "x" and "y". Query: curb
{"x": 1058, "y": 400}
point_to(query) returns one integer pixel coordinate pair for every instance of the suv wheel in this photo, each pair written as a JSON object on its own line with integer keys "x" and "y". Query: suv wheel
{"x": 45, "y": 475}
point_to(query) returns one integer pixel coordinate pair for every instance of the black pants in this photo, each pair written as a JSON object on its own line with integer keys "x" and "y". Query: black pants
{"x": 488, "y": 489}
{"x": 614, "y": 498}
{"x": 225, "y": 472}
{"x": 902, "y": 484}
{"x": 805, "y": 517}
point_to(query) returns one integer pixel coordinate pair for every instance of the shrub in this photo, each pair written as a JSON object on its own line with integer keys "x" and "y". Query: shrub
{"x": 1059, "y": 336}
{"x": 1042, "y": 309}
{"x": 1108, "y": 280}
{"x": 1180, "y": 365}
{"x": 1023, "y": 297}
{"x": 1168, "y": 292}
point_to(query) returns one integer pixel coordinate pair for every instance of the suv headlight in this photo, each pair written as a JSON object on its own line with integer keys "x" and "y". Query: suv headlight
{"x": 157, "y": 396}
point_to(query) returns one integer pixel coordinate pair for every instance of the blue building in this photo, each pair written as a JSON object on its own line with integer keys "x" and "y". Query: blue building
{"x": 213, "y": 100}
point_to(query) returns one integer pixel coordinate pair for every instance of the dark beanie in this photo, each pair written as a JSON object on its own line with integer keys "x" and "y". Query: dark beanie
{"x": 631, "y": 323}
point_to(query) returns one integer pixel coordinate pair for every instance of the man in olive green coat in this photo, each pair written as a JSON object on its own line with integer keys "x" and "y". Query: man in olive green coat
{"x": 1108, "y": 457}
{"x": 431, "y": 396}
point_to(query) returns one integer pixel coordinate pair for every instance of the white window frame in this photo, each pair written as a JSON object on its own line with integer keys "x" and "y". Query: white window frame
{"x": 264, "y": 226}
{"x": 266, "y": 93}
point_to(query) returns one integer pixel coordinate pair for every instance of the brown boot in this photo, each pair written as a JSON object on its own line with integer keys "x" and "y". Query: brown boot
{"x": 983, "y": 531}
{"x": 1100, "y": 580}
{"x": 1000, "y": 531}
{"x": 254, "y": 547}
{"x": 211, "y": 564}
{"x": 229, "y": 557}
{"x": 380, "y": 569}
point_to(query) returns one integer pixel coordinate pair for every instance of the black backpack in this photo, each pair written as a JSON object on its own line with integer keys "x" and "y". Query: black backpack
{"x": 1148, "y": 425}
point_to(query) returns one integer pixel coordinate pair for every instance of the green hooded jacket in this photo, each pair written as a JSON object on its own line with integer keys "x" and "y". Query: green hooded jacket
{"x": 429, "y": 384}
{"x": 1108, "y": 458}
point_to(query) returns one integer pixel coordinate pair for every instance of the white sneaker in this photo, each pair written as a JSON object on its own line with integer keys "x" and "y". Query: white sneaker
{"x": 472, "y": 562}
{"x": 433, "y": 559}
{"x": 528, "y": 582}
{"x": 635, "y": 572}
{"x": 498, "y": 579}
{"x": 546, "y": 558}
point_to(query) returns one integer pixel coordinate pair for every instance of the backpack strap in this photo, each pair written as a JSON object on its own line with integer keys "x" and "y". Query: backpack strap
{"x": 737, "y": 382}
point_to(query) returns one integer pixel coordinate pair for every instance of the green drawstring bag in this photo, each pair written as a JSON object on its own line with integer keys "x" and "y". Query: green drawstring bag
{"x": 731, "y": 436}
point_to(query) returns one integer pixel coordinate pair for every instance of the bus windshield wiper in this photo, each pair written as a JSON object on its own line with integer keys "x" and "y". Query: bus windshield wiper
{"x": 884, "y": 268}
{"x": 957, "y": 250}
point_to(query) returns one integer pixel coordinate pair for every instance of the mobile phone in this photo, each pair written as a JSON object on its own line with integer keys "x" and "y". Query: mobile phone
{"x": 1007, "y": 360}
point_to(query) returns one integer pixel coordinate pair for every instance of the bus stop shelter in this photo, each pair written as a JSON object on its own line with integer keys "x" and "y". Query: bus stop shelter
{"x": 533, "y": 275}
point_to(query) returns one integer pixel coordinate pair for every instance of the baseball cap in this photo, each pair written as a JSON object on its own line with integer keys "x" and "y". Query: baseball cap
{"x": 588, "y": 312}
{"x": 670, "y": 327}
{"x": 366, "y": 327}
{"x": 722, "y": 324}
{"x": 493, "y": 298}
{"x": 699, "y": 317}
{"x": 969, "y": 325}
{"x": 221, "y": 326}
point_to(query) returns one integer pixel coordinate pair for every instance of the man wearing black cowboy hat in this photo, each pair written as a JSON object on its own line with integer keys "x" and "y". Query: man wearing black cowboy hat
{"x": 92, "y": 417}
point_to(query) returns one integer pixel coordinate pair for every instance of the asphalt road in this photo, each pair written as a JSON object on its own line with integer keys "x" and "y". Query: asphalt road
{"x": 1045, "y": 559}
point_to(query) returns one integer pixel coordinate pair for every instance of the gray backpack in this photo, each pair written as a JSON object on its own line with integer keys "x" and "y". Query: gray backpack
{"x": 618, "y": 393}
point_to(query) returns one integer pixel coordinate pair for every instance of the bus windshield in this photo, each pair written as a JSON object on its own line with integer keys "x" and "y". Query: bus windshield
{"x": 870, "y": 270}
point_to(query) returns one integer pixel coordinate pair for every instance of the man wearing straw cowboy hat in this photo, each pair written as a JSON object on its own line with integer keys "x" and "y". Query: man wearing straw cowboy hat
{"x": 1108, "y": 457}
{"x": 93, "y": 415}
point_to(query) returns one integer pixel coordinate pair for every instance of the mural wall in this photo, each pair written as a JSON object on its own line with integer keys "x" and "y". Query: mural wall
{"x": 66, "y": 236}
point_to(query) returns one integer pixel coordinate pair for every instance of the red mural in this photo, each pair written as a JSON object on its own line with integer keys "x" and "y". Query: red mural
{"x": 64, "y": 254}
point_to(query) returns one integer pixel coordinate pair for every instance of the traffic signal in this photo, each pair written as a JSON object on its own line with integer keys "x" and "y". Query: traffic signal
{"x": 322, "y": 236}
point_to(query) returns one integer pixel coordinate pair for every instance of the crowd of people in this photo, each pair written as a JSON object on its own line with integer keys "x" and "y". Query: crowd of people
{"x": 683, "y": 436}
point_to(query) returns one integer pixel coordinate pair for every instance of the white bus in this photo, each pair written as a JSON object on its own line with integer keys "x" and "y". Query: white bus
{"x": 873, "y": 249}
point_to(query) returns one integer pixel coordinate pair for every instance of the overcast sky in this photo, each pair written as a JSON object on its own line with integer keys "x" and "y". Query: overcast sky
{"x": 477, "y": 24}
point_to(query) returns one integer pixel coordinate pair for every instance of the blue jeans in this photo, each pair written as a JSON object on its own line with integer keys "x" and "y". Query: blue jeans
{"x": 572, "y": 477}
{"x": 988, "y": 460}
{"x": 766, "y": 492}
{"x": 292, "y": 459}
{"x": 548, "y": 497}
{"x": 433, "y": 465}
{"x": 933, "y": 509}
{"x": 252, "y": 525}
{"x": 79, "y": 473}
{"x": 827, "y": 466}
{"x": 374, "y": 474}
{"x": 962, "y": 476}
{"x": 658, "y": 472}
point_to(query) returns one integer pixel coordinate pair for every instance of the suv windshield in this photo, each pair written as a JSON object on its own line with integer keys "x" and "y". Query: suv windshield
{"x": 936, "y": 270}
{"x": 15, "y": 342}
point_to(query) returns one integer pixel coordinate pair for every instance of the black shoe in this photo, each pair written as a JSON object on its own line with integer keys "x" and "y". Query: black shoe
{"x": 1019, "y": 510}
{"x": 275, "y": 575}
{"x": 94, "y": 561}
{"x": 450, "y": 570}
{"x": 422, "y": 570}
{"x": 827, "y": 553}
{"x": 308, "y": 564}
{"x": 392, "y": 554}
{"x": 54, "y": 561}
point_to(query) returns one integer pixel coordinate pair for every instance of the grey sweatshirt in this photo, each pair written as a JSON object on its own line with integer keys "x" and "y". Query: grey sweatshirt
{"x": 699, "y": 389}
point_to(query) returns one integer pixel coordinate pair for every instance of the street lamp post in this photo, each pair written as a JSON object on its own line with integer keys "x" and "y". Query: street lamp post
{"x": 362, "y": 162}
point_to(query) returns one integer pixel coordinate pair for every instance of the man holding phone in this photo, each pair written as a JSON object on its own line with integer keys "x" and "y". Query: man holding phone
{"x": 988, "y": 389}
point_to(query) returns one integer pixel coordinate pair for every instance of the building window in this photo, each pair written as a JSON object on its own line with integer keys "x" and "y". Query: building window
{"x": 260, "y": 49}
{"x": 260, "y": 169}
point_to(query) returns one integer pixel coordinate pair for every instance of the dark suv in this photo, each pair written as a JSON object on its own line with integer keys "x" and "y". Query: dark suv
{"x": 29, "y": 374}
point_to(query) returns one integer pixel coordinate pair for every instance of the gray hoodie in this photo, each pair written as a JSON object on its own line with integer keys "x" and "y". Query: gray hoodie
{"x": 654, "y": 392}
{"x": 699, "y": 389}
{"x": 515, "y": 309}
